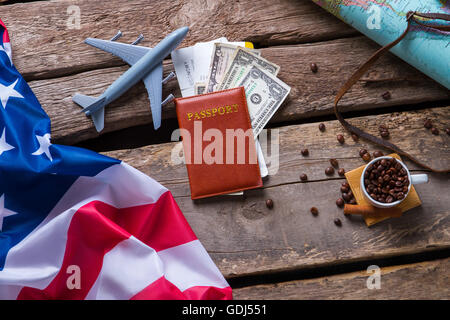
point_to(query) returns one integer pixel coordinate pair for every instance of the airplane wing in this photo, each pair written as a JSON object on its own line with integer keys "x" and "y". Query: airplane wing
{"x": 127, "y": 52}
{"x": 154, "y": 88}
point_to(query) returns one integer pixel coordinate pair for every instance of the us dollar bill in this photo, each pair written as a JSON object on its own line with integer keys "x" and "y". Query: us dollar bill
{"x": 265, "y": 93}
{"x": 222, "y": 56}
{"x": 239, "y": 66}
{"x": 199, "y": 88}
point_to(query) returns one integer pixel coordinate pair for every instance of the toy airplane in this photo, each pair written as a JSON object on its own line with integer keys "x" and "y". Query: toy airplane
{"x": 146, "y": 65}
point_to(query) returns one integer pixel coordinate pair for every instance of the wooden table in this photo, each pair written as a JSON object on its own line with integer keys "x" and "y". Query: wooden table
{"x": 285, "y": 252}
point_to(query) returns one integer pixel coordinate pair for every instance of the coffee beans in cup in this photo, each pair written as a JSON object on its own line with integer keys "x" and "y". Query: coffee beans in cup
{"x": 386, "y": 181}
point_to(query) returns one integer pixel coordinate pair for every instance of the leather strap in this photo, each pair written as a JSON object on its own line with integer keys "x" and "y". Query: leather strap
{"x": 412, "y": 16}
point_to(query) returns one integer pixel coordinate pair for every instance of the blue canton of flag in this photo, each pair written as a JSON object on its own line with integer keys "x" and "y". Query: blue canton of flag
{"x": 34, "y": 174}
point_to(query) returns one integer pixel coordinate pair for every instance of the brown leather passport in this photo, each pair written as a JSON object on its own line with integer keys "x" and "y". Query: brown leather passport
{"x": 218, "y": 143}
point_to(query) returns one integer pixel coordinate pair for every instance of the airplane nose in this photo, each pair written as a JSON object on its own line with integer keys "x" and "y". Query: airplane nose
{"x": 182, "y": 32}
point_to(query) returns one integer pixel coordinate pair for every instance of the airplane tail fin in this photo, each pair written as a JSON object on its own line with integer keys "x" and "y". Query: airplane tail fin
{"x": 94, "y": 107}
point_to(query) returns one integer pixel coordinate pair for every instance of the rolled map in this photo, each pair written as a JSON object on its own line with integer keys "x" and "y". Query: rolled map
{"x": 385, "y": 20}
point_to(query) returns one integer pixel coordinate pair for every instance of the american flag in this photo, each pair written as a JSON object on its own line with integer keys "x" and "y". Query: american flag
{"x": 78, "y": 225}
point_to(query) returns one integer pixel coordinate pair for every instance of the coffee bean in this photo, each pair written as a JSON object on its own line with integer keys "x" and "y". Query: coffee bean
{"x": 366, "y": 156}
{"x": 344, "y": 189}
{"x": 389, "y": 199}
{"x": 345, "y": 184}
{"x": 435, "y": 131}
{"x": 314, "y": 211}
{"x": 269, "y": 203}
{"x": 334, "y": 162}
{"x": 447, "y": 131}
{"x": 305, "y": 152}
{"x": 340, "y": 202}
{"x": 428, "y": 124}
{"x": 346, "y": 197}
{"x": 352, "y": 201}
{"x": 377, "y": 154}
{"x": 362, "y": 152}
{"x": 314, "y": 67}
{"x": 400, "y": 195}
{"x": 322, "y": 127}
{"x": 340, "y": 138}
{"x": 338, "y": 222}
{"x": 341, "y": 172}
{"x": 329, "y": 171}
{"x": 386, "y": 95}
{"x": 355, "y": 137}
{"x": 303, "y": 177}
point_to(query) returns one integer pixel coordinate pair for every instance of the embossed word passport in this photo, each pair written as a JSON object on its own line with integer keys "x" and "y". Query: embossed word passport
{"x": 218, "y": 143}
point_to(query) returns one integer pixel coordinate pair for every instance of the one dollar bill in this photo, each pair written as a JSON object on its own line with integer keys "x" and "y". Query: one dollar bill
{"x": 222, "y": 56}
{"x": 239, "y": 66}
{"x": 265, "y": 93}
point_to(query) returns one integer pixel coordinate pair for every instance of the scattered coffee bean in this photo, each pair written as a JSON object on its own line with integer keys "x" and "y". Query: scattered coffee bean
{"x": 362, "y": 152}
{"x": 366, "y": 157}
{"x": 314, "y": 211}
{"x": 447, "y": 131}
{"x": 340, "y": 138}
{"x": 303, "y": 177}
{"x": 345, "y": 184}
{"x": 314, "y": 67}
{"x": 352, "y": 201}
{"x": 305, "y": 152}
{"x": 435, "y": 131}
{"x": 334, "y": 162}
{"x": 329, "y": 171}
{"x": 386, "y": 180}
{"x": 377, "y": 154}
{"x": 322, "y": 127}
{"x": 355, "y": 137}
{"x": 386, "y": 95}
{"x": 346, "y": 196}
{"x": 269, "y": 203}
{"x": 341, "y": 172}
{"x": 340, "y": 202}
{"x": 338, "y": 222}
{"x": 428, "y": 124}
{"x": 344, "y": 189}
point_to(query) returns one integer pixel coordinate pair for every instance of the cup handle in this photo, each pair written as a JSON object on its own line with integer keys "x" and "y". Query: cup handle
{"x": 419, "y": 178}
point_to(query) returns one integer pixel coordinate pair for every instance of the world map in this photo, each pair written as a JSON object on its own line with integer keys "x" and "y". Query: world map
{"x": 385, "y": 20}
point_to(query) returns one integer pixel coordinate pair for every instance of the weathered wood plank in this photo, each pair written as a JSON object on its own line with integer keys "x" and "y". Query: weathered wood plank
{"x": 423, "y": 281}
{"x": 244, "y": 237}
{"x": 155, "y": 159}
{"x": 45, "y": 46}
{"x": 311, "y": 94}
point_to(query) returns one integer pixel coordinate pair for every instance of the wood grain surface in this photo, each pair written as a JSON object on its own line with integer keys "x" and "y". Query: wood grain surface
{"x": 241, "y": 234}
{"x": 244, "y": 237}
{"x": 423, "y": 281}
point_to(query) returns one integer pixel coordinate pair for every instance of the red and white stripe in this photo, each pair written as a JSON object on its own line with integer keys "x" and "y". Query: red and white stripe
{"x": 128, "y": 237}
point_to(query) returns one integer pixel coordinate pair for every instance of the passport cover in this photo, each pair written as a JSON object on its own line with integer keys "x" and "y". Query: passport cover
{"x": 228, "y": 168}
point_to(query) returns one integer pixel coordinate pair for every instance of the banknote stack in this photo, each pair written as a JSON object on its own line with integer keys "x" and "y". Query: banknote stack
{"x": 232, "y": 65}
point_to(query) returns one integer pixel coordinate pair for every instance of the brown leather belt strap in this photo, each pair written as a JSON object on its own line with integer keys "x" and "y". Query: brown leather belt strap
{"x": 410, "y": 17}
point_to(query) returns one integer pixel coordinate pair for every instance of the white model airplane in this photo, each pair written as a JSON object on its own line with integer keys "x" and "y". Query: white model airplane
{"x": 146, "y": 65}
